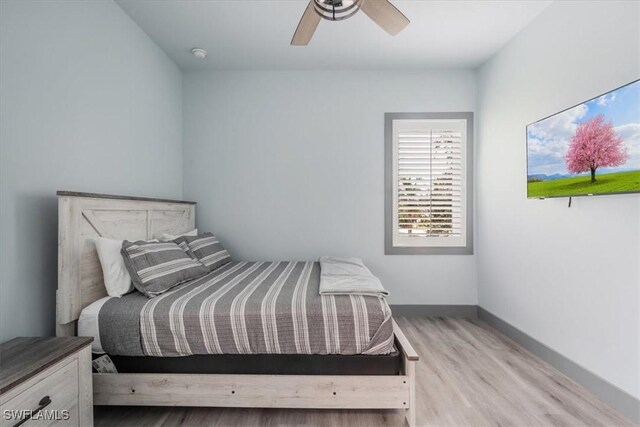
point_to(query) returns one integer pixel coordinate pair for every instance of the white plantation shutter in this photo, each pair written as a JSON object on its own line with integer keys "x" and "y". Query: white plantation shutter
{"x": 429, "y": 183}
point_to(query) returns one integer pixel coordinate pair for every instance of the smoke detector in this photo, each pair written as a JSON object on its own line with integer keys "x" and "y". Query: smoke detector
{"x": 199, "y": 53}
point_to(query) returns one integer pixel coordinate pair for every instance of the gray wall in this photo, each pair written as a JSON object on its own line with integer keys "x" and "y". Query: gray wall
{"x": 568, "y": 277}
{"x": 89, "y": 103}
{"x": 290, "y": 165}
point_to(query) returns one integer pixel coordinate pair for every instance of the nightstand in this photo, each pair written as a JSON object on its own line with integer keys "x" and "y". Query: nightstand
{"x": 46, "y": 381}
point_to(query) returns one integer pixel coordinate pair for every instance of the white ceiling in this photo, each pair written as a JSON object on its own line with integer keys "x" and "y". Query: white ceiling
{"x": 255, "y": 34}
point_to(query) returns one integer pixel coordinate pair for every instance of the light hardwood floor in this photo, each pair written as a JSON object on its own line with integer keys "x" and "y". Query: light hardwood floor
{"x": 468, "y": 375}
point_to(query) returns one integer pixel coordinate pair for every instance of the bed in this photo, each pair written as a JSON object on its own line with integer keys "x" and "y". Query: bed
{"x": 248, "y": 334}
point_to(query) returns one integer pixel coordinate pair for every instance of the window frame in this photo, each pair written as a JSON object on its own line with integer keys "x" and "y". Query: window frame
{"x": 390, "y": 190}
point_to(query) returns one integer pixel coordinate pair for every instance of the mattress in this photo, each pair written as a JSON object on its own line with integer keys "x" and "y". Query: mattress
{"x": 264, "y": 364}
{"x": 242, "y": 308}
{"x": 88, "y": 325}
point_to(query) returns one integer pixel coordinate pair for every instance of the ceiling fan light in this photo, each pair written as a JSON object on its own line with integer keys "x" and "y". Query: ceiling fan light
{"x": 336, "y": 10}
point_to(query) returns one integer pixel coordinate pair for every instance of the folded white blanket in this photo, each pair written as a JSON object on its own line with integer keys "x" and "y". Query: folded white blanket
{"x": 340, "y": 276}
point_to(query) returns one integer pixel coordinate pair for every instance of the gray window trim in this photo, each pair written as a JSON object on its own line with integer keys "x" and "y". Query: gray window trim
{"x": 389, "y": 249}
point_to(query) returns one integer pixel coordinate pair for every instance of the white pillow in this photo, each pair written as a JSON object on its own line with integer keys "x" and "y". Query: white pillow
{"x": 116, "y": 277}
{"x": 168, "y": 237}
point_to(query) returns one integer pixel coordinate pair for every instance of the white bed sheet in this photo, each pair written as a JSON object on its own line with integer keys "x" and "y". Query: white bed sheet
{"x": 88, "y": 323}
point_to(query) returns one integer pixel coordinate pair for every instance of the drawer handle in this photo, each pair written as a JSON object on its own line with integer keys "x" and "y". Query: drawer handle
{"x": 44, "y": 402}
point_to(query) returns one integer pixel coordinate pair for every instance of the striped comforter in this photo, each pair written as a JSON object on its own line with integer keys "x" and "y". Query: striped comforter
{"x": 247, "y": 308}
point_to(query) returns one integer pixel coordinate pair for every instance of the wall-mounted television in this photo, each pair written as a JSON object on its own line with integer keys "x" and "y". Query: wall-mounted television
{"x": 592, "y": 148}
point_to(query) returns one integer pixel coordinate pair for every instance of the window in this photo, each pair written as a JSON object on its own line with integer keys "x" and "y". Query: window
{"x": 428, "y": 176}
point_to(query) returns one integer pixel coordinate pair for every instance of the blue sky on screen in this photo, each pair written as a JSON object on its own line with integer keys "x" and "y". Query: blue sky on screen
{"x": 548, "y": 140}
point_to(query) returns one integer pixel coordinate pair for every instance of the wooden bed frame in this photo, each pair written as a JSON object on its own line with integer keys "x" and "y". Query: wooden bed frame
{"x": 84, "y": 216}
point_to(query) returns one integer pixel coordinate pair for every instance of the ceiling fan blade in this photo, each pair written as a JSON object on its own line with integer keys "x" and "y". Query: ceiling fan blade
{"x": 306, "y": 27}
{"x": 385, "y": 15}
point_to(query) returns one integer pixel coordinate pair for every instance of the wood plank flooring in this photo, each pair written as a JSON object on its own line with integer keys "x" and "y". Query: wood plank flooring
{"x": 468, "y": 375}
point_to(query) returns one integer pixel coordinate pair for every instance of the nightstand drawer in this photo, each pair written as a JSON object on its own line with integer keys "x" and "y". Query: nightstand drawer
{"x": 55, "y": 391}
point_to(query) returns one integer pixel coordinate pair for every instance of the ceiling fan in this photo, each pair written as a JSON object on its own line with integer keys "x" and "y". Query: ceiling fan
{"x": 382, "y": 12}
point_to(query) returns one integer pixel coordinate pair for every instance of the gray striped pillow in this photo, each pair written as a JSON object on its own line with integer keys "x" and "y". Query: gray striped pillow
{"x": 182, "y": 244}
{"x": 208, "y": 250}
{"x": 156, "y": 267}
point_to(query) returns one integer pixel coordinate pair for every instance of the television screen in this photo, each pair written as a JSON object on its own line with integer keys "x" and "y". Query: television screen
{"x": 590, "y": 149}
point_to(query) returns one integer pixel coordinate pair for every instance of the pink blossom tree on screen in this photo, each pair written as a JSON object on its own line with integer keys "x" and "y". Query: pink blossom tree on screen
{"x": 594, "y": 145}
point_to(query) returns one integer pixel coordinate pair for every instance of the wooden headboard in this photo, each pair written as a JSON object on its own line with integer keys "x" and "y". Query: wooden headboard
{"x": 84, "y": 216}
